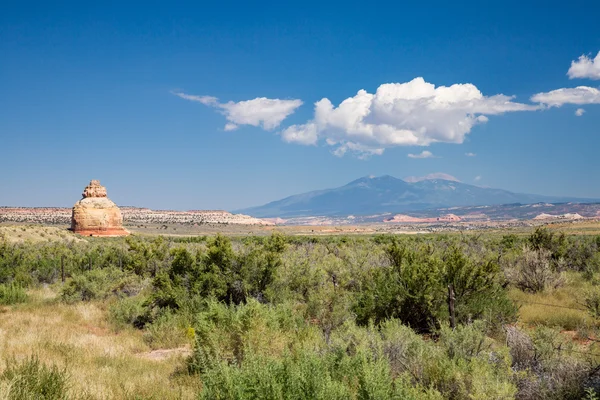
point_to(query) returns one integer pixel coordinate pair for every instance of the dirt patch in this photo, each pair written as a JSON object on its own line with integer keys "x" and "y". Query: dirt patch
{"x": 162, "y": 354}
{"x": 574, "y": 336}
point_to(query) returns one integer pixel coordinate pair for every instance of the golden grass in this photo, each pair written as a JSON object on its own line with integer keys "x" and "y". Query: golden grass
{"x": 549, "y": 308}
{"x": 37, "y": 233}
{"x": 587, "y": 227}
{"x": 101, "y": 362}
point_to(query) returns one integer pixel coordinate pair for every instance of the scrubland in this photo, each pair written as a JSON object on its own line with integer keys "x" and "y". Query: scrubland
{"x": 300, "y": 317}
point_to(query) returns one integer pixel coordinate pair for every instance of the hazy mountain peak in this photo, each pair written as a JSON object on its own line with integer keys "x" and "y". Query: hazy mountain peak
{"x": 386, "y": 194}
{"x": 372, "y": 179}
{"x": 433, "y": 176}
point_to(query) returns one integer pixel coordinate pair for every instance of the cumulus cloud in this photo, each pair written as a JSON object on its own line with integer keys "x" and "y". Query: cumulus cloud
{"x": 301, "y": 134}
{"x": 578, "y": 95}
{"x": 477, "y": 178}
{"x": 423, "y": 154}
{"x": 263, "y": 112}
{"x": 585, "y": 67}
{"x": 470, "y": 154}
{"x": 414, "y": 113}
{"x": 435, "y": 175}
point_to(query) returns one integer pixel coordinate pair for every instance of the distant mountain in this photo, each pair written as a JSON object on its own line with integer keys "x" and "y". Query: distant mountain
{"x": 374, "y": 195}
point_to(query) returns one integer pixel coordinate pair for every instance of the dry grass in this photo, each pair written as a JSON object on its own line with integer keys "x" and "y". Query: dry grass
{"x": 549, "y": 308}
{"x": 31, "y": 232}
{"x": 37, "y": 233}
{"x": 101, "y": 362}
{"x": 587, "y": 227}
{"x": 151, "y": 229}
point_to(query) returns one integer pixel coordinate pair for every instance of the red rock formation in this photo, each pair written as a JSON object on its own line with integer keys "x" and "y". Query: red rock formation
{"x": 96, "y": 215}
{"x": 94, "y": 189}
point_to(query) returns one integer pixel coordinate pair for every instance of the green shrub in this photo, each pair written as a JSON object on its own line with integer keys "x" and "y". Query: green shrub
{"x": 32, "y": 380}
{"x": 127, "y": 311}
{"x": 544, "y": 239}
{"x": 410, "y": 289}
{"x": 414, "y": 288}
{"x": 466, "y": 341}
{"x": 590, "y": 394}
{"x": 11, "y": 293}
{"x": 463, "y": 365}
{"x": 226, "y": 332}
{"x": 478, "y": 287}
{"x": 509, "y": 242}
{"x": 309, "y": 375}
{"x": 591, "y": 265}
{"x": 591, "y": 300}
{"x": 260, "y": 351}
{"x": 168, "y": 330}
{"x": 99, "y": 284}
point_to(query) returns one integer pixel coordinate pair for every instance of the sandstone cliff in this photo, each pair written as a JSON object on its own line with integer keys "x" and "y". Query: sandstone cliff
{"x": 96, "y": 214}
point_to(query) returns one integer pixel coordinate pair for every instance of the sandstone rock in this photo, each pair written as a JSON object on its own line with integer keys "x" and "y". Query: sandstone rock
{"x": 96, "y": 214}
{"x": 569, "y": 216}
{"x": 94, "y": 189}
{"x": 408, "y": 219}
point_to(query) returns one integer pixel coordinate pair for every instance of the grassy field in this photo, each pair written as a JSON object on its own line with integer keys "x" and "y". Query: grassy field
{"x": 37, "y": 233}
{"x": 102, "y": 362}
{"x": 291, "y": 316}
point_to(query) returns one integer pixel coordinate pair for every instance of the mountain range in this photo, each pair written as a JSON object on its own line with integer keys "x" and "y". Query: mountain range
{"x": 387, "y": 194}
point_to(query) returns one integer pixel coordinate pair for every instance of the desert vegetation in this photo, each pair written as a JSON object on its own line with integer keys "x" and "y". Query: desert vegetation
{"x": 471, "y": 316}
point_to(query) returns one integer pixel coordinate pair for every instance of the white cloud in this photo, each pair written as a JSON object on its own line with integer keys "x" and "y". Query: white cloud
{"x": 206, "y": 100}
{"x": 263, "y": 112}
{"x": 470, "y": 154}
{"x": 423, "y": 154}
{"x": 435, "y": 175}
{"x": 308, "y": 134}
{"x": 585, "y": 67}
{"x": 578, "y": 95}
{"x": 579, "y": 112}
{"x": 414, "y": 113}
{"x": 362, "y": 152}
{"x": 477, "y": 178}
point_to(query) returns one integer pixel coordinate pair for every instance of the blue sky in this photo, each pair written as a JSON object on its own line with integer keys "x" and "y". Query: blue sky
{"x": 104, "y": 91}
